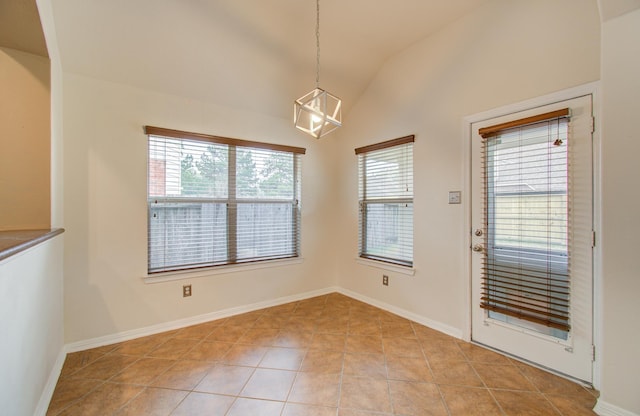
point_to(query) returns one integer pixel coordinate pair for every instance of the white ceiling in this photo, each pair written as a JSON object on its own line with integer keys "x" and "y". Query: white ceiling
{"x": 257, "y": 55}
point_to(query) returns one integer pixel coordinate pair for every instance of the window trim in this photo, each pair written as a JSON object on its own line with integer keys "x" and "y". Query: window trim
{"x": 383, "y": 265}
{"x": 182, "y": 274}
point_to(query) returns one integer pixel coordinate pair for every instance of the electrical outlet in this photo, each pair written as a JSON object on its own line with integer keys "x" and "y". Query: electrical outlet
{"x": 385, "y": 280}
{"x": 186, "y": 291}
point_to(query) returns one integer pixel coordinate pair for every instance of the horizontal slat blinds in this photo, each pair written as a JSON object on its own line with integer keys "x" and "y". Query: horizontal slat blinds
{"x": 386, "y": 201}
{"x": 526, "y": 263}
{"x": 212, "y": 203}
{"x": 267, "y": 203}
{"x": 187, "y": 204}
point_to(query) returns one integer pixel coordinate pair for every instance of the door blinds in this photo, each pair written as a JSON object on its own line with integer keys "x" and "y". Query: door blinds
{"x": 527, "y": 236}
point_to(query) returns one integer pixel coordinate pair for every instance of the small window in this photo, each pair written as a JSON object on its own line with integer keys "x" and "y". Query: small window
{"x": 385, "y": 192}
{"x": 217, "y": 201}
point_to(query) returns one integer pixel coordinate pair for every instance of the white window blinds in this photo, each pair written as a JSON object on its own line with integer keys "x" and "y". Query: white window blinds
{"x": 215, "y": 201}
{"x": 385, "y": 173}
{"x": 526, "y": 181}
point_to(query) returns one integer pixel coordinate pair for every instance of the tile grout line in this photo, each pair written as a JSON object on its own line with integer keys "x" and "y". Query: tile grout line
{"x": 386, "y": 368}
{"x": 426, "y": 359}
{"x": 486, "y": 387}
{"x": 343, "y": 353}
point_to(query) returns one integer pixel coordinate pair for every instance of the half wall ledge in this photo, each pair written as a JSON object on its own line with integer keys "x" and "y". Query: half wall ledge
{"x": 16, "y": 241}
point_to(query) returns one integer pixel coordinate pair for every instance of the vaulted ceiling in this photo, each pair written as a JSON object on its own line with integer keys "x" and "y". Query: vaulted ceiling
{"x": 256, "y": 55}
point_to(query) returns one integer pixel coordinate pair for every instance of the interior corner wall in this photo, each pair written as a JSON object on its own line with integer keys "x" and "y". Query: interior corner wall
{"x": 25, "y": 136}
{"x": 105, "y": 207}
{"x": 620, "y": 208}
{"x": 57, "y": 142}
{"x": 502, "y": 53}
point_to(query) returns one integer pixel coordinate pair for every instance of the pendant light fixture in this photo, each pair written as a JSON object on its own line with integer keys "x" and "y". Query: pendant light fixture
{"x": 318, "y": 112}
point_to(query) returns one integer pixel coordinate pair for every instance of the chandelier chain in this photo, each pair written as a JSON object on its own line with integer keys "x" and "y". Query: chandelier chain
{"x": 317, "y": 43}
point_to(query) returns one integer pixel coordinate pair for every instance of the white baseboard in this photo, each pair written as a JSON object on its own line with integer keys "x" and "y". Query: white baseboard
{"x": 194, "y": 320}
{"x": 603, "y": 408}
{"x": 438, "y": 326}
{"x": 49, "y": 388}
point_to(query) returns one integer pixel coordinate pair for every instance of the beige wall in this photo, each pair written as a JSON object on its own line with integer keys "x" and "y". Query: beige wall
{"x": 426, "y": 91}
{"x": 25, "y": 141}
{"x": 106, "y": 215}
{"x": 496, "y": 56}
{"x": 620, "y": 210}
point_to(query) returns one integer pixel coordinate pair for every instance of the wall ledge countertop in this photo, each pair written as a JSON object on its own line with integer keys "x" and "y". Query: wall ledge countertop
{"x": 16, "y": 241}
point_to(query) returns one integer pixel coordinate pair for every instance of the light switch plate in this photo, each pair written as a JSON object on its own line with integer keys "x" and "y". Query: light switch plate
{"x": 454, "y": 197}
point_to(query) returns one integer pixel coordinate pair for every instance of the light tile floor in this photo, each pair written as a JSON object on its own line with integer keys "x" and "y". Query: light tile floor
{"x": 328, "y": 355}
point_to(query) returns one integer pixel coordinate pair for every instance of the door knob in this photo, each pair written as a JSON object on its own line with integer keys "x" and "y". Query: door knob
{"x": 478, "y": 248}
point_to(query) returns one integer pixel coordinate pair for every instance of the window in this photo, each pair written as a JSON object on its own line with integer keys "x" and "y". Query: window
{"x": 216, "y": 201}
{"x": 385, "y": 191}
{"x": 526, "y": 172}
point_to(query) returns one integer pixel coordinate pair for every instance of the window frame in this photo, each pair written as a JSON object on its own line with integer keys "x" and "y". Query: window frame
{"x": 232, "y": 201}
{"x": 363, "y": 203}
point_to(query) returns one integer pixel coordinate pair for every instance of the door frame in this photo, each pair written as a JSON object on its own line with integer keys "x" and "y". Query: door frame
{"x": 467, "y": 134}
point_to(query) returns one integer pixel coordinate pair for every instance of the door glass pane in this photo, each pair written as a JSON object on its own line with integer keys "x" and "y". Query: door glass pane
{"x": 527, "y": 228}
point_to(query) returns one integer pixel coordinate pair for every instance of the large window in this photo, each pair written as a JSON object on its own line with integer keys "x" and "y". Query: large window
{"x": 215, "y": 201}
{"x": 385, "y": 172}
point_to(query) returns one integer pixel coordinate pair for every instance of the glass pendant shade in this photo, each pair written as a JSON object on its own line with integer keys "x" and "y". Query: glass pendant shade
{"x": 318, "y": 113}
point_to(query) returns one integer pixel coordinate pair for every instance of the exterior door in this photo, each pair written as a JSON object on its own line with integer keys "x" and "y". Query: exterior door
{"x": 532, "y": 235}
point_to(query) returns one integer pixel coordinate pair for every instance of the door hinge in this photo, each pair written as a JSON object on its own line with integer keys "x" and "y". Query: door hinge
{"x": 593, "y": 238}
{"x": 593, "y": 124}
{"x": 593, "y": 353}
